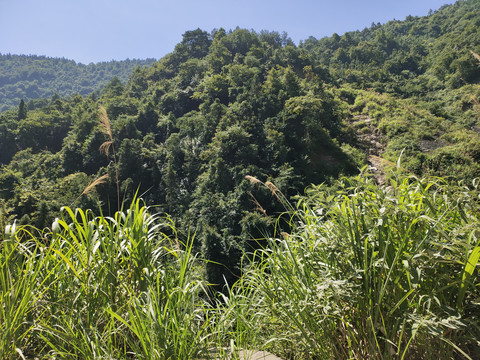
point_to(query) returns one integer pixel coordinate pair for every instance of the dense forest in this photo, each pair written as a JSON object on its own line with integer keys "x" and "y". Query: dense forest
{"x": 31, "y": 77}
{"x": 233, "y": 130}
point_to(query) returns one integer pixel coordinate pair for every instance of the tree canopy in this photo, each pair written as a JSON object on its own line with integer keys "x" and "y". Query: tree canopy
{"x": 190, "y": 131}
{"x": 32, "y": 78}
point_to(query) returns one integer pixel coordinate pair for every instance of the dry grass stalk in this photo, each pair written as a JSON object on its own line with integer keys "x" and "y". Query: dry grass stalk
{"x": 258, "y": 206}
{"x": 475, "y": 55}
{"x": 104, "y": 122}
{"x": 106, "y": 129}
{"x": 105, "y": 147}
{"x": 252, "y": 179}
{"x": 94, "y": 183}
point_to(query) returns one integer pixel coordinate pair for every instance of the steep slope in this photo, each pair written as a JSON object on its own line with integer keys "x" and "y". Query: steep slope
{"x": 417, "y": 83}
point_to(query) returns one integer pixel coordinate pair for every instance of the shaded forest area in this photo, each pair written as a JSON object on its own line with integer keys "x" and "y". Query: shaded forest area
{"x": 187, "y": 130}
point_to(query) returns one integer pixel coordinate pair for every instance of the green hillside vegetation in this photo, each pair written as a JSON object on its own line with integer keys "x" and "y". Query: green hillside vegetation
{"x": 31, "y": 77}
{"x": 418, "y": 56}
{"x": 278, "y": 235}
{"x": 186, "y": 132}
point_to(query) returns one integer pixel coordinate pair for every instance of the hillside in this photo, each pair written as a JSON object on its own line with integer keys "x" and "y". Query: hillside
{"x": 419, "y": 56}
{"x": 412, "y": 87}
{"x": 31, "y": 77}
{"x": 186, "y": 131}
{"x": 221, "y": 199}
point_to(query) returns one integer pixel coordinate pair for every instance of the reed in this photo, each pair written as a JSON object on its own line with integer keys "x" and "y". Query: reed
{"x": 365, "y": 272}
{"x": 102, "y": 287}
{"x": 106, "y": 145}
{"x": 374, "y": 272}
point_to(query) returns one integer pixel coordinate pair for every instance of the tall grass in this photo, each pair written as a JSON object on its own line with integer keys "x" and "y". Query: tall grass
{"x": 375, "y": 273}
{"x": 21, "y": 264}
{"x": 99, "y": 287}
{"x": 366, "y": 272}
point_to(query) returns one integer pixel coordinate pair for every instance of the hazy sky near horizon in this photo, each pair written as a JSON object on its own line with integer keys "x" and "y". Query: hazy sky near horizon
{"x": 101, "y": 30}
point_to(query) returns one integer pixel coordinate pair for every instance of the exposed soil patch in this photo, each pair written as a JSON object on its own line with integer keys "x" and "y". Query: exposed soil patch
{"x": 371, "y": 141}
{"x": 430, "y": 145}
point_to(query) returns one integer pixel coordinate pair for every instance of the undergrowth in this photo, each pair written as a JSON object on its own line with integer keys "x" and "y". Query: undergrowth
{"x": 366, "y": 272}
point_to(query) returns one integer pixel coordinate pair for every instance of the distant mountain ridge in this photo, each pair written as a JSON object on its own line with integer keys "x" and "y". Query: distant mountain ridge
{"x": 31, "y": 77}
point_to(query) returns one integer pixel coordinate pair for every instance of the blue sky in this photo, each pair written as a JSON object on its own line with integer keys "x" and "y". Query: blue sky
{"x": 101, "y": 30}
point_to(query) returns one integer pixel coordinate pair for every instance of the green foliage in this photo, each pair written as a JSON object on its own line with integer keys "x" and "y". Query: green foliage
{"x": 226, "y": 104}
{"x": 22, "y": 110}
{"x": 364, "y": 272}
{"x": 406, "y": 58}
{"x": 33, "y": 77}
{"x": 21, "y": 267}
{"x": 98, "y": 287}
{"x": 370, "y": 272}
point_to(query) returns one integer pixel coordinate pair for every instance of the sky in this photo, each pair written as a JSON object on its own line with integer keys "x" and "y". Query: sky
{"x": 103, "y": 30}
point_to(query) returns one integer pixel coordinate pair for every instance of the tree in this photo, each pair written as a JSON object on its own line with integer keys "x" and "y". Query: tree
{"x": 195, "y": 43}
{"x": 22, "y": 110}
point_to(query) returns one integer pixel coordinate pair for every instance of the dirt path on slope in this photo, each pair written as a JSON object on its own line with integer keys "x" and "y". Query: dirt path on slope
{"x": 370, "y": 141}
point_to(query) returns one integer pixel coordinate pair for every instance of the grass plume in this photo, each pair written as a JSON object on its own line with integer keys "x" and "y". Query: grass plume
{"x": 475, "y": 55}
{"x": 105, "y": 146}
{"x": 105, "y": 122}
{"x": 95, "y": 183}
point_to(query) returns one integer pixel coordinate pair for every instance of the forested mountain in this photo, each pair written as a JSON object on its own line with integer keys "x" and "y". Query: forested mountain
{"x": 415, "y": 83}
{"x": 31, "y": 77}
{"x": 196, "y": 132}
{"x": 413, "y": 57}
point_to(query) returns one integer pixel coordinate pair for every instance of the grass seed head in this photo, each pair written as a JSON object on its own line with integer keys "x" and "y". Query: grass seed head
{"x": 94, "y": 183}
{"x": 252, "y": 179}
{"x": 105, "y": 147}
{"x": 105, "y": 122}
{"x": 272, "y": 187}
